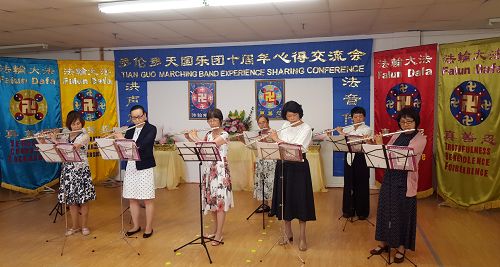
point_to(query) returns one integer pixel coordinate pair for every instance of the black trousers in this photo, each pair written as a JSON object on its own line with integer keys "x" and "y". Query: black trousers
{"x": 356, "y": 198}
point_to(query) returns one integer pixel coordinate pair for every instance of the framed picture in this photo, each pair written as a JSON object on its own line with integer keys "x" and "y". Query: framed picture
{"x": 201, "y": 99}
{"x": 269, "y": 98}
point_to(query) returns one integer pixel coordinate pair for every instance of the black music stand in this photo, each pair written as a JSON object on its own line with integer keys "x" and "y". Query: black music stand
{"x": 283, "y": 152}
{"x": 58, "y": 153}
{"x": 199, "y": 151}
{"x": 390, "y": 157}
{"x": 119, "y": 149}
{"x": 249, "y": 141}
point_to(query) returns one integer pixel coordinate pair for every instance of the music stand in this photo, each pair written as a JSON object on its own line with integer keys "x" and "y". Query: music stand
{"x": 249, "y": 138}
{"x": 283, "y": 152}
{"x": 58, "y": 153}
{"x": 390, "y": 157}
{"x": 347, "y": 144}
{"x": 199, "y": 151}
{"x": 119, "y": 149}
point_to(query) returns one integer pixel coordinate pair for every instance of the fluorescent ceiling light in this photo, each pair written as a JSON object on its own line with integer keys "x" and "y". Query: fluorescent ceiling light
{"x": 24, "y": 46}
{"x": 148, "y": 5}
{"x": 245, "y": 2}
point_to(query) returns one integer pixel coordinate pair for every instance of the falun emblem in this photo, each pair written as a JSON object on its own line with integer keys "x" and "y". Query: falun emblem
{"x": 470, "y": 103}
{"x": 202, "y": 97}
{"x": 90, "y": 103}
{"x": 28, "y": 107}
{"x": 270, "y": 96}
{"x": 400, "y": 96}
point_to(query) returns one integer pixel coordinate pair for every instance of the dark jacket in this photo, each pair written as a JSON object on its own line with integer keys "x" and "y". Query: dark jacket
{"x": 145, "y": 143}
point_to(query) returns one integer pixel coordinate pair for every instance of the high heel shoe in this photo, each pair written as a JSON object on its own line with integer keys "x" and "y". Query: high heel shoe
{"x": 283, "y": 240}
{"x": 72, "y": 231}
{"x": 147, "y": 235}
{"x": 218, "y": 242}
{"x": 131, "y": 233}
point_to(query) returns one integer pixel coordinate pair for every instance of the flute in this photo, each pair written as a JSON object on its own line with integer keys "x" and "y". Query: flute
{"x": 198, "y": 130}
{"x": 46, "y": 133}
{"x": 269, "y": 134}
{"x": 241, "y": 134}
{"x": 332, "y": 130}
{"x": 124, "y": 130}
{"x": 383, "y": 135}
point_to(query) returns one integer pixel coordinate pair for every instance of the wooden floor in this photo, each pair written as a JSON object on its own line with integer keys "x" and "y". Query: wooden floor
{"x": 445, "y": 236}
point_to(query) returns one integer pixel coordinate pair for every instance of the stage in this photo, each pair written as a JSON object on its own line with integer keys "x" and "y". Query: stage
{"x": 445, "y": 236}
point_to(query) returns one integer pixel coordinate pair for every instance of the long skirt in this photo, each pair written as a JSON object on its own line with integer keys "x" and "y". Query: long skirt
{"x": 298, "y": 193}
{"x": 396, "y": 213}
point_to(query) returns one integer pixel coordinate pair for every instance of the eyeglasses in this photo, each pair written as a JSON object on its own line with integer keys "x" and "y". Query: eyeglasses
{"x": 406, "y": 122}
{"x": 137, "y": 117}
{"x": 213, "y": 120}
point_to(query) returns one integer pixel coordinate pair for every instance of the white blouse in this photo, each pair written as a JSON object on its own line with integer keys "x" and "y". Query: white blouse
{"x": 300, "y": 135}
{"x": 362, "y": 129}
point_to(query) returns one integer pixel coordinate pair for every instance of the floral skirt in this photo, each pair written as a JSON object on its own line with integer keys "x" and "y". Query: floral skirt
{"x": 216, "y": 189}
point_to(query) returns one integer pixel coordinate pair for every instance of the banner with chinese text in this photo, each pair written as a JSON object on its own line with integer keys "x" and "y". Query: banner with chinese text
{"x": 29, "y": 95}
{"x": 130, "y": 94}
{"x": 89, "y": 87}
{"x": 348, "y": 92}
{"x": 268, "y": 61}
{"x": 467, "y": 149}
{"x": 406, "y": 77}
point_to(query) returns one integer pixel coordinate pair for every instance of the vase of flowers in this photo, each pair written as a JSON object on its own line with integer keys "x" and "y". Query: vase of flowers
{"x": 237, "y": 122}
{"x": 166, "y": 143}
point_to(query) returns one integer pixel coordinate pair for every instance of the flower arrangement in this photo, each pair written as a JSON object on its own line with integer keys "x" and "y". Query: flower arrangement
{"x": 237, "y": 122}
{"x": 167, "y": 139}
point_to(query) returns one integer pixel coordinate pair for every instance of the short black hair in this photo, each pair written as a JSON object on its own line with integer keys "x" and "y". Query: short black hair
{"x": 408, "y": 112}
{"x": 215, "y": 113}
{"x": 138, "y": 107}
{"x": 72, "y": 117}
{"x": 263, "y": 116}
{"x": 292, "y": 106}
{"x": 358, "y": 110}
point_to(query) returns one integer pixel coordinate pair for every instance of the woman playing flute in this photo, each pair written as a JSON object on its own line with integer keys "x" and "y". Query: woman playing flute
{"x": 138, "y": 183}
{"x": 397, "y": 203}
{"x": 356, "y": 197}
{"x": 298, "y": 197}
{"x": 75, "y": 185}
{"x": 216, "y": 189}
{"x": 264, "y": 171}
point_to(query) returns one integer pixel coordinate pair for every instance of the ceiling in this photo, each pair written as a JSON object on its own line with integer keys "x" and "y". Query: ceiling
{"x": 72, "y": 24}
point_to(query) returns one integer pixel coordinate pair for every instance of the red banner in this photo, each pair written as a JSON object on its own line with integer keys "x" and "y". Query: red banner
{"x": 407, "y": 77}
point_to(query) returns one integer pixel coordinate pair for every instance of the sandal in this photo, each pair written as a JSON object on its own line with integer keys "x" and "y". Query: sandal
{"x": 379, "y": 250}
{"x": 209, "y": 235}
{"x": 399, "y": 257}
{"x": 85, "y": 231}
{"x": 72, "y": 231}
{"x": 218, "y": 242}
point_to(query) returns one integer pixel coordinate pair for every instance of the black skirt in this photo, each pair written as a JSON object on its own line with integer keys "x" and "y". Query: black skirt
{"x": 298, "y": 193}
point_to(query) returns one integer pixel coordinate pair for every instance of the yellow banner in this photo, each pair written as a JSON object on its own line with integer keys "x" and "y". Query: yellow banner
{"x": 89, "y": 87}
{"x": 468, "y": 124}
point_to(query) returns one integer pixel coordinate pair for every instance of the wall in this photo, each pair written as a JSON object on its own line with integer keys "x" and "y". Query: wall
{"x": 168, "y": 100}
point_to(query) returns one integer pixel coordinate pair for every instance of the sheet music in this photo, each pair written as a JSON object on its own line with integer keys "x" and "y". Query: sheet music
{"x": 249, "y": 137}
{"x": 107, "y": 148}
{"x": 208, "y": 151}
{"x": 49, "y": 153}
{"x": 127, "y": 149}
{"x": 355, "y": 147}
{"x": 374, "y": 156}
{"x": 339, "y": 143}
{"x": 291, "y": 152}
{"x": 401, "y": 157}
{"x": 68, "y": 152}
{"x": 268, "y": 150}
